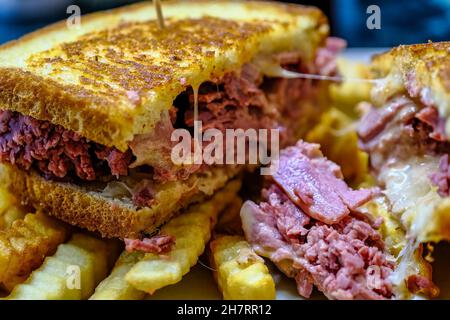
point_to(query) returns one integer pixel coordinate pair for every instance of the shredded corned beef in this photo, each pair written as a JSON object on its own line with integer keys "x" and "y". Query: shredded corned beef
{"x": 55, "y": 151}
{"x": 344, "y": 259}
{"x": 156, "y": 244}
{"x": 401, "y": 129}
{"x": 143, "y": 194}
{"x": 235, "y": 101}
{"x": 325, "y": 62}
{"x": 376, "y": 120}
{"x": 316, "y": 184}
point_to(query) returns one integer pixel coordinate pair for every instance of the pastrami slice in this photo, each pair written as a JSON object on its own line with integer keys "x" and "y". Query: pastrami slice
{"x": 316, "y": 184}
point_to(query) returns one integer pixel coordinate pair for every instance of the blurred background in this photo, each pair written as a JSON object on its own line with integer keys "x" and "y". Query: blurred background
{"x": 402, "y": 21}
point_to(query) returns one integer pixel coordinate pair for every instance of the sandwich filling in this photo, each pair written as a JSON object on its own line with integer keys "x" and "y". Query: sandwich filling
{"x": 408, "y": 150}
{"x": 240, "y": 99}
{"x": 309, "y": 225}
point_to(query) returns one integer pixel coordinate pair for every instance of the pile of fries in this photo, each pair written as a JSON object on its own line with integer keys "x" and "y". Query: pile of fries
{"x": 42, "y": 258}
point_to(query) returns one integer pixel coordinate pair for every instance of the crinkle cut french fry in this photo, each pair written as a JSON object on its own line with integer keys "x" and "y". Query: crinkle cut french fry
{"x": 192, "y": 231}
{"x": 241, "y": 274}
{"x": 25, "y": 244}
{"x": 115, "y": 287}
{"x": 71, "y": 273}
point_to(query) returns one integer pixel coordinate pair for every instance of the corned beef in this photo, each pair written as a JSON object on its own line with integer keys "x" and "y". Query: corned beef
{"x": 403, "y": 128}
{"x": 345, "y": 259}
{"x": 55, "y": 151}
{"x": 316, "y": 184}
{"x": 156, "y": 244}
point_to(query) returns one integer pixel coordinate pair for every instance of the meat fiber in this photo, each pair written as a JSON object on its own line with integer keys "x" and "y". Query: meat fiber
{"x": 316, "y": 184}
{"x": 157, "y": 244}
{"x": 235, "y": 101}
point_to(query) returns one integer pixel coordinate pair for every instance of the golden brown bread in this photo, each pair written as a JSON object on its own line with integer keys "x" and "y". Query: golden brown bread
{"x": 112, "y": 78}
{"x": 112, "y": 217}
{"x": 421, "y": 70}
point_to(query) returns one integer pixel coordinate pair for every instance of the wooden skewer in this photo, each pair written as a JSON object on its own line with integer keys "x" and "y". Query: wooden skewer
{"x": 159, "y": 13}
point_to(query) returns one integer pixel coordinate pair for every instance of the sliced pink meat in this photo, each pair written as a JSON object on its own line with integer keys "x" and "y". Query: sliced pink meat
{"x": 430, "y": 116}
{"x": 316, "y": 184}
{"x": 307, "y": 225}
{"x": 344, "y": 260}
{"x": 376, "y": 120}
{"x": 326, "y": 57}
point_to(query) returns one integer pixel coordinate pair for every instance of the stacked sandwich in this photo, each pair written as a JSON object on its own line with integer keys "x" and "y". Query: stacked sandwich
{"x": 87, "y": 114}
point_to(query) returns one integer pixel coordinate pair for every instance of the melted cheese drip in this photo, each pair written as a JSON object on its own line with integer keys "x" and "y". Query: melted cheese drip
{"x": 197, "y": 128}
{"x": 386, "y": 88}
{"x": 271, "y": 68}
{"x": 407, "y": 265}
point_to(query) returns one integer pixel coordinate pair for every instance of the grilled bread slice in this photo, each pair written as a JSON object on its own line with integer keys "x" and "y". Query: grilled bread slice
{"x": 113, "y": 77}
{"x": 110, "y": 210}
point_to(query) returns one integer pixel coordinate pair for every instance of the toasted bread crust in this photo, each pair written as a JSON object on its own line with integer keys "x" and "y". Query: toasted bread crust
{"x": 109, "y": 86}
{"x": 421, "y": 71}
{"x": 43, "y": 98}
{"x": 110, "y": 217}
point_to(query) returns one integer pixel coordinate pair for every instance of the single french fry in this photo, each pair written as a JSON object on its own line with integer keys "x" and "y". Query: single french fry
{"x": 72, "y": 273}
{"x": 25, "y": 244}
{"x": 192, "y": 231}
{"x": 240, "y": 273}
{"x": 115, "y": 287}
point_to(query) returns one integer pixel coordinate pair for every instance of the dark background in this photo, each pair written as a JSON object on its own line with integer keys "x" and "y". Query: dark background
{"x": 402, "y": 21}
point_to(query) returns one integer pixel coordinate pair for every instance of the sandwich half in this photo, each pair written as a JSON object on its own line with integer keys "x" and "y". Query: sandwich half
{"x": 406, "y": 132}
{"x": 87, "y": 113}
